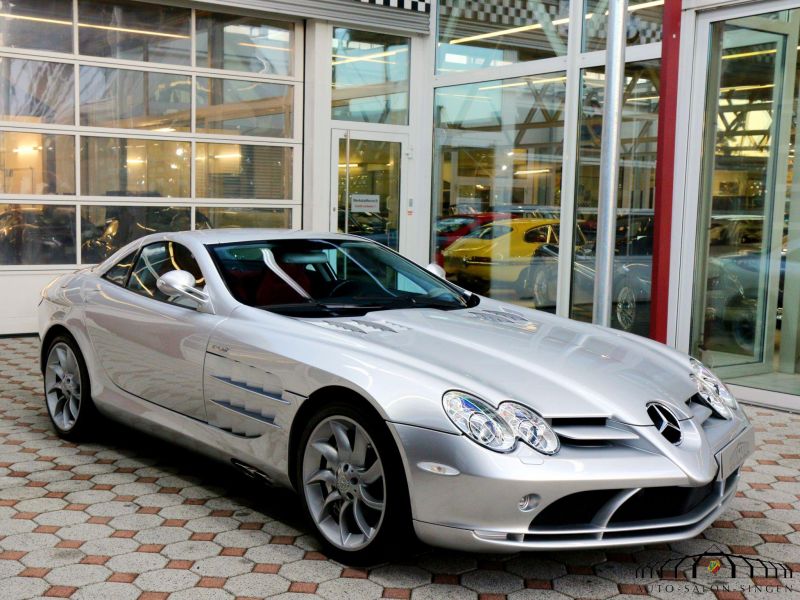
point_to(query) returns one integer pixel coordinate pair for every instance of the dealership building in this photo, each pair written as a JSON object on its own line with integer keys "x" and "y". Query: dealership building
{"x": 466, "y": 132}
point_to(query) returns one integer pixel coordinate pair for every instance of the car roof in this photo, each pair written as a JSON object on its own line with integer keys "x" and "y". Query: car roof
{"x": 225, "y": 236}
{"x": 526, "y": 222}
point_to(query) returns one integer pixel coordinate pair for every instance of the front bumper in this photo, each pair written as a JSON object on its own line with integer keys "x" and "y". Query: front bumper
{"x": 479, "y": 508}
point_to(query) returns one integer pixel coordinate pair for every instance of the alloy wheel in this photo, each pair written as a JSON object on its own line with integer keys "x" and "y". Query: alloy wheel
{"x": 62, "y": 379}
{"x": 344, "y": 483}
{"x": 626, "y": 308}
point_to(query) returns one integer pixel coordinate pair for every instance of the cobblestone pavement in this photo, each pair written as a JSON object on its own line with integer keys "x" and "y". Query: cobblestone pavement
{"x": 128, "y": 517}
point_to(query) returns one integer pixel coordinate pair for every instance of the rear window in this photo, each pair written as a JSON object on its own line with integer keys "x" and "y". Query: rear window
{"x": 490, "y": 232}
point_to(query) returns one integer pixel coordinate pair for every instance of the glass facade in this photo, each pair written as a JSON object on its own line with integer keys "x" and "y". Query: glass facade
{"x": 499, "y": 147}
{"x": 474, "y": 34}
{"x": 369, "y": 77}
{"x": 746, "y": 303}
{"x": 130, "y": 113}
{"x": 633, "y": 251}
{"x": 512, "y": 177}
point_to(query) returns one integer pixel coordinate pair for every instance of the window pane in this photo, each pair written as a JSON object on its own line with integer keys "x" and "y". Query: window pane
{"x": 131, "y": 167}
{"x": 135, "y": 31}
{"x": 35, "y": 163}
{"x": 635, "y": 203}
{"x": 119, "y": 272}
{"x": 33, "y": 91}
{"x": 244, "y": 44}
{"x": 644, "y": 23}
{"x": 37, "y": 234}
{"x": 157, "y": 259}
{"x": 219, "y": 217}
{"x": 106, "y": 229}
{"x": 497, "y": 181}
{"x": 474, "y": 34}
{"x": 370, "y": 77}
{"x": 240, "y": 171}
{"x": 40, "y": 25}
{"x": 234, "y": 107}
{"x": 135, "y": 99}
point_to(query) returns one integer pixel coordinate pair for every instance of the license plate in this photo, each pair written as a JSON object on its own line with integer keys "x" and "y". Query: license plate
{"x": 734, "y": 454}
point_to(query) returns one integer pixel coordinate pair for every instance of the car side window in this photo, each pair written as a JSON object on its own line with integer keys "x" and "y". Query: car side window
{"x": 537, "y": 235}
{"x": 119, "y": 272}
{"x": 159, "y": 258}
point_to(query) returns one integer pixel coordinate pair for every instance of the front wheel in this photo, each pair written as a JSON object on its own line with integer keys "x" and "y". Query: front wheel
{"x": 352, "y": 485}
{"x": 67, "y": 390}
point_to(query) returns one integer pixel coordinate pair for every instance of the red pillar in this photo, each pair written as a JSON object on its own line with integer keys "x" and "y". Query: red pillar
{"x": 665, "y": 168}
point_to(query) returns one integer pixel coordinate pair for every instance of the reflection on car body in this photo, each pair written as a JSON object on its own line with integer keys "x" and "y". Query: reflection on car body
{"x": 498, "y": 253}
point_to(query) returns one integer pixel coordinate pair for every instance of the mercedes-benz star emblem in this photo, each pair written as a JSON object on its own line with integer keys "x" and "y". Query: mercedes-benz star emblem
{"x": 666, "y": 422}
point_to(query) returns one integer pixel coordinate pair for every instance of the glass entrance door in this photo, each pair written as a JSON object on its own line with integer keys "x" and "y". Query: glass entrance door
{"x": 369, "y": 186}
{"x": 739, "y": 322}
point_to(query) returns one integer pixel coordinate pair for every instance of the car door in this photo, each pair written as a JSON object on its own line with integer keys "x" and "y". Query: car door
{"x": 149, "y": 344}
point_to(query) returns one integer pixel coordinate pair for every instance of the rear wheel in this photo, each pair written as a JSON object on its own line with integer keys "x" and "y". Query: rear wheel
{"x": 67, "y": 390}
{"x": 352, "y": 485}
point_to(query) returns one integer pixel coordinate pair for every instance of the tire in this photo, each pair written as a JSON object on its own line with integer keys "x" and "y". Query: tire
{"x": 626, "y": 308}
{"x": 348, "y": 465}
{"x": 538, "y": 285}
{"x": 67, "y": 389}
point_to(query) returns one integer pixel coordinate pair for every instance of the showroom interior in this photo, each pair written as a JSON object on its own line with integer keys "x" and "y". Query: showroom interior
{"x": 461, "y": 132}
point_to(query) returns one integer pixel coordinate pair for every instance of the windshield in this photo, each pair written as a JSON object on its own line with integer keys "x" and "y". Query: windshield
{"x": 318, "y": 277}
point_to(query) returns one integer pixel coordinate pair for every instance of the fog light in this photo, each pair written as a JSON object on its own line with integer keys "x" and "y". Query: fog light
{"x": 529, "y": 502}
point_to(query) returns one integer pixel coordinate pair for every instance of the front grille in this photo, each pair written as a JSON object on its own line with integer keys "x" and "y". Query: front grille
{"x": 591, "y": 431}
{"x": 617, "y": 514}
{"x": 661, "y": 503}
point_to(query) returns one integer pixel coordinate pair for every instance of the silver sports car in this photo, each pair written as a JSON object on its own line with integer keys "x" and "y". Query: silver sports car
{"x": 391, "y": 400}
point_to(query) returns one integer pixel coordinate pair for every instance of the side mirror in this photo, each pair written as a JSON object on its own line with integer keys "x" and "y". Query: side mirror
{"x": 436, "y": 270}
{"x": 181, "y": 283}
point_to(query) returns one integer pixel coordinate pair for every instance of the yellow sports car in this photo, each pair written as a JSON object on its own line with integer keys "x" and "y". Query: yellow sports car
{"x": 498, "y": 252}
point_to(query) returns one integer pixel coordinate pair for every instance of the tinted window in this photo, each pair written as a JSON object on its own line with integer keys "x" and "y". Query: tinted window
{"x": 157, "y": 259}
{"x": 119, "y": 272}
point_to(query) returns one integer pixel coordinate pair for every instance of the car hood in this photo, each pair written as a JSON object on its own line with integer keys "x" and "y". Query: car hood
{"x": 558, "y": 367}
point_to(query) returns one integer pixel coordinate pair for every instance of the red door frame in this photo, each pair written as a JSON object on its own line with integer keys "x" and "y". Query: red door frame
{"x": 665, "y": 169}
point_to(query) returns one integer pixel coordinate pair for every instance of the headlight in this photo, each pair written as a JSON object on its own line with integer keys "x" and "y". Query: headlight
{"x": 499, "y": 429}
{"x": 478, "y": 421}
{"x": 712, "y": 390}
{"x": 529, "y": 427}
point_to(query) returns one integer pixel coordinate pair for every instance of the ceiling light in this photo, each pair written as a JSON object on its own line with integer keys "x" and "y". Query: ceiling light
{"x": 264, "y": 46}
{"x": 532, "y": 172}
{"x": 522, "y": 83}
{"x": 367, "y": 57}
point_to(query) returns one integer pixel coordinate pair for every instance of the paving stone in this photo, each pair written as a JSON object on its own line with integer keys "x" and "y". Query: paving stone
{"x": 257, "y": 585}
{"x": 78, "y": 575}
{"x": 222, "y": 566}
{"x": 117, "y": 518}
{"x": 137, "y": 562}
{"x": 315, "y": 571}
{"x": 166, "y": 580}
{"x": 442, "y": 592}
{"x": 191, "y": 550}
{"x": 19, "y": 588}
{"x": 108, "y": 591}
{"x": 585, "y": 586}
{"x": 349, "y": 589}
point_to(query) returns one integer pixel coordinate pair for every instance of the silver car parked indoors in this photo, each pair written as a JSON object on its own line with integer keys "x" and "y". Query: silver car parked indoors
{"x": 391, "y": 400}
